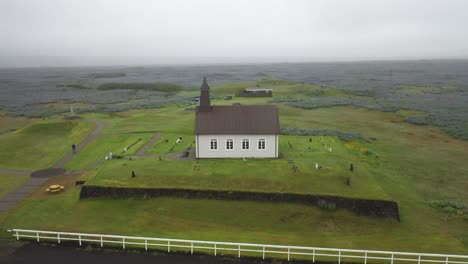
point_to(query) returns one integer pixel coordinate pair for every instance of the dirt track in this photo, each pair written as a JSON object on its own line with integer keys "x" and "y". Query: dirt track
{"x": 142, "y": 150}
{"x": 97, "y": 130}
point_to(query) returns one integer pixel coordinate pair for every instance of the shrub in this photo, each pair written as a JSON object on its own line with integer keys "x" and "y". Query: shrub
{"x": 161, "y": 87}
{"x": 77, "y": 85}
{"x": 417, "y": 120}
{"x": 450, "y": 210}
{"x": 283, "y": 99}
{"x": 447, "y": 203}
{"x": 329, "y": 206}
{"x": 107, "y": 75}
{"x": 368, "y": 93}
{"x": 450, "y": 207}
{"x": 311, "y": 92}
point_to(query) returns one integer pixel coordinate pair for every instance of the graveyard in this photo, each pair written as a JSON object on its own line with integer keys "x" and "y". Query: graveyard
{"x": 413, "y": 165}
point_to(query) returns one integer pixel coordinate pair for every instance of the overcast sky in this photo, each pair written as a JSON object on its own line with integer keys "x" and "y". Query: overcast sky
{"x": 106, "y": 32}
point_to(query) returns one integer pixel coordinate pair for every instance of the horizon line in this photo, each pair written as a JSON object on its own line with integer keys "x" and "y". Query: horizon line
{"x": 238, "y": 63}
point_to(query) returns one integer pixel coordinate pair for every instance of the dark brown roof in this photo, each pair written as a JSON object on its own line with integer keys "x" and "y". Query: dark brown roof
{"x": 248, "y": 120}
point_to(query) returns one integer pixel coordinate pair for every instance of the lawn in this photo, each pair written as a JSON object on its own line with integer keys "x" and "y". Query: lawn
{"x": 9, "y": 183}
{"x": 167, "y": 144}
{"x": 94, "y": 153}
{"x": 170, "y": 119}
{"x": 40, "y": 144}
{"x": 287, "y": 224}
{"x": 263, "y": 175}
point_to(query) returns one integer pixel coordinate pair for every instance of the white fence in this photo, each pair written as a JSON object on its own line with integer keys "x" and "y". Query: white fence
{"x": 265, "y": 250}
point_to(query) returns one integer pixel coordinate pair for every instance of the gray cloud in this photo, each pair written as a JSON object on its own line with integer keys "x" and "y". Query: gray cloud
{"x": 90, "y": 32}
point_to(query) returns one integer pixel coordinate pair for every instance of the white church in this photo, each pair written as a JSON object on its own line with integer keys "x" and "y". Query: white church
{"x": 235, "y": 131}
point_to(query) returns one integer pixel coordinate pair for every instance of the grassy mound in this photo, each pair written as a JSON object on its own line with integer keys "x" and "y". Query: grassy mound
{"x": 41, "y": 144}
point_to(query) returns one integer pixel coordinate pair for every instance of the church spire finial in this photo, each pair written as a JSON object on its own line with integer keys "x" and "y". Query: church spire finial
{"x": 205, "y": 85}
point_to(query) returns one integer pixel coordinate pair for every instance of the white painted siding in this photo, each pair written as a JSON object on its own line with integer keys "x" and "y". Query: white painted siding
{"x": 202, "y": 144}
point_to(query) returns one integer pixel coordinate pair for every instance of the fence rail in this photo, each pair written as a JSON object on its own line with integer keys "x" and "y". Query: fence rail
{"x": 265, "y": 250}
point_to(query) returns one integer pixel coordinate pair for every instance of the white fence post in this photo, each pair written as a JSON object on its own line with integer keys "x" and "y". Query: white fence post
{"x": 168, "y": 246}
{"x": 289, "y": 252}
{"x": 37, "y": 234}
{"x": 339, "y": 257}
{"x": 313, "y": 256}
{"x": 191, "y": 248}
{"x": 446, "y": 260}
{"x": 419, "y": 259}
{"x": 215, "y": 249}
{"x": 263, "y": 252}
{"x": 17, "y": 235}
{"x": 102, "y": 242}
{"x": 79, "y": 239}
{"x": 392, "y": 259}
{"x": 239, "y": 251}
{"x": 58, "y": 238}
{"x": 123, "y": 242}
{"x": 365, "y": 258}
{"x": 146, "y": 244}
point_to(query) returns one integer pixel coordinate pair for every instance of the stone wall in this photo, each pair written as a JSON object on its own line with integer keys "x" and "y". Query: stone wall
{"x": 380, "y": 208}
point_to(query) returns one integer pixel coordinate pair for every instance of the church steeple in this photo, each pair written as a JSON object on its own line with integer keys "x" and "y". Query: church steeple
{"x": 205, "y": 102}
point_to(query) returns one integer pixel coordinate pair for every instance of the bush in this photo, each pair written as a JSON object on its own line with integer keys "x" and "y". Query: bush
{"x": 311, "y": 92}
{"x": 314, "y": 103}
{"x": 322, "y": 204}
{"x": 450, "y": 210}
{"x": 417, "y": 120}
{"x": 283, "y": 99}
{"x": 450, "y": 207}
{"x": 368, "y": 93}
{"x": 161, "y": 87}
{"x": 447, "y": 203}
{"x": 77, "y": 85}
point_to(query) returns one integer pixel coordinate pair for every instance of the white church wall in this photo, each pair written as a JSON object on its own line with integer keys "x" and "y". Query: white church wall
{"x": 203, "y": 150}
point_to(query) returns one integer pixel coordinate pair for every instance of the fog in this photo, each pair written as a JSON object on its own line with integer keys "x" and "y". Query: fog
{"x": 116, "y": 32}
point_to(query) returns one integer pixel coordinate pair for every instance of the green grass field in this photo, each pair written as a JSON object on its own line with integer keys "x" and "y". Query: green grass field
{"x": 254, "y": 222}
{"x": 249, "y": 175}
{"x": 167, "y": 144}
{"x": 93, "y": 154}
{"x": 40, "y": 144}
{"x": 9, "y": 183}
{"x": 406, "y": 163}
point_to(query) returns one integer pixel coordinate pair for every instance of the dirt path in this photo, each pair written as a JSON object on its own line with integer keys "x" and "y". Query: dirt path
{"x": 142, "y": 150}
{"x": 97, "y": 130}
{"x": 14, "y": 172}
{"x": 12, "y": 198}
